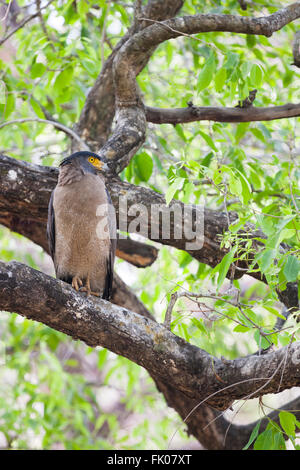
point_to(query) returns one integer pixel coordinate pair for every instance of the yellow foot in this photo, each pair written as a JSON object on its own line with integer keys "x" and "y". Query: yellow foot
{"x": 76, "y": 283}
{"x": 89, "y": 292}
{"x": 87, "y": 288}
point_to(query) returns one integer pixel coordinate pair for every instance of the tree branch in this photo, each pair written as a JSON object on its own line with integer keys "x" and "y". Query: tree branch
{"x": 194, "y": 113}
{"x": 136, "y": 253}
{"x": 25, "y": 191}
{"x": 296, "y": 49}
{"x": 130, "y": 114}
{"x": 264, "y": 25}
{"x": 169, "y": 358}
{"x": 56, "y": 124}
{"x": 23, "y": 23}
{"x": 24, "y": 197}
{"x": 208, "y": 425}
{"x": 96, "y": 118}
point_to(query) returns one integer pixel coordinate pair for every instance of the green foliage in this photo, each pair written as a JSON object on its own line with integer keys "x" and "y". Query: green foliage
{"x": 275, "y": 435}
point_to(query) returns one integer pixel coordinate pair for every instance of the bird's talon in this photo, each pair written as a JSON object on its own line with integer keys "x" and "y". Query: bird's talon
{"x": 85, "y": 289}
{"x": 96, "y": 294}
{"x": 89, "y": 292}
{"x": 76, "y": 282}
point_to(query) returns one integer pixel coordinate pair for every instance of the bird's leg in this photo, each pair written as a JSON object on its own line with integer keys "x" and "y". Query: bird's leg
{"x": 87, "y": 288}
{"x": 76, "y": 283}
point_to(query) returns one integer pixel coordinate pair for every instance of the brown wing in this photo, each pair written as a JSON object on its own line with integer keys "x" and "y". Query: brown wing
{"x": 113, "y": 244}
{"x": 51, "y": 227}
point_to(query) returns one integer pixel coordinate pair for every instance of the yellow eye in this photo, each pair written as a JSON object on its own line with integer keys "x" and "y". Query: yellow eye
{"x": 96, "y": 162}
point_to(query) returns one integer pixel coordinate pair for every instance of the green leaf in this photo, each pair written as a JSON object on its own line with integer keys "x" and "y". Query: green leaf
{"x": 274, "y": 312}
{"x": 63, "y": 79}
{"x": 208, "y": 140}
{"x": 266, "y": 258}
{"x": 253, "y": 436}
{"x": 288, "y": 423}
{"x": 207, "y": 73}
{"x": 220, "y": 79}
{"x": 264, "y": 440}
{"x": 241, "y": 130}
{"x": 246, "y": 189}
{"x": 241, "y": 329}
{"x": 245, "y": 69}
{"x": 291, "y": 268}
{"x": 200, "y": 325}
{"x": 224, "y": 266}
{"x": 2, "y": 92}
{"x": 37, "y": 109}
{"x": 235, "y": 185}
{"x": 82, "y": 8}
{"x": 179, "y": 130}
{"x": 258, "y": 134}
{"x": 256, "y": 75}
{"x": 144, "y": 165}
{"x": 37, "y": 70}
{"x": 238, "y": 224}
{"x": 207, "y": 159}
{"x": 278, "y": 441}
{"x": 175, "y": 186}
{"x": 188, "y": 192}
{"x": 10, "y": 104}
{"x": 231, "y": 62}
{"x": 261, "y": 341}
{"x": 251, "y": 40}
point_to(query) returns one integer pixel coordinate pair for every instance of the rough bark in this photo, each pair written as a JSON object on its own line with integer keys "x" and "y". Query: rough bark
{"x": 194, "y": 113}
{"x": 25, "y": 193}
{"x": 170, "y": 359}
{"x": 25, "y": 190}
{"x": 95, "y": 122}
{"x": 130, "y": 131}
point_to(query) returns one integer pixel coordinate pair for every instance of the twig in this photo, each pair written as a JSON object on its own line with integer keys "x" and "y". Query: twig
{"x": 58, "y": 125}
{"x": 25, "y": 21}
{"x": 42, "y": 22}
{"x": 216, "y": 393}
{"x": 103, "y": 35}
{"x": 7, "y": 11}
{"x": 190, "y": 295}
{"x": 180, "y": 33}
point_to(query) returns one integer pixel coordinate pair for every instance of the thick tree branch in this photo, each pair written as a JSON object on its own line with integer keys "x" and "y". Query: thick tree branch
{"x": 264, "y": 25}
{"x": 136, "y": 253}
{"x": 130, "y": 114}
{"x": 203, "y": 422}
{"x": 167, "y": 357}
{"x": 211, "y": 428}
{"x": 194, "y": 113}
{"x": 184, "y": 374}
{"x": 25, "y": 190}
{"x": 95, "y": 122}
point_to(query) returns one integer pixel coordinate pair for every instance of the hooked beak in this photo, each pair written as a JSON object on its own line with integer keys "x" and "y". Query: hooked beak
{"x": 101, "y": 166}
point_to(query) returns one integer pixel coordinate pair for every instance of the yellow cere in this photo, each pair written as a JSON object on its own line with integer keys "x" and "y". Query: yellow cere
{"x": 95, "y": 162}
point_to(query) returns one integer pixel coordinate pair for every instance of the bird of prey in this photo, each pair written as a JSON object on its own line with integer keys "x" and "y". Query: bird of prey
{"x": 81, "y": 225}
